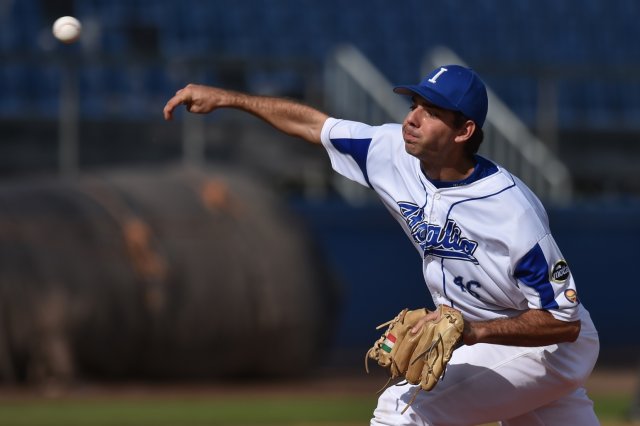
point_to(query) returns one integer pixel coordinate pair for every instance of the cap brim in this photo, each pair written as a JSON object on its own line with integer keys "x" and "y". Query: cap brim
{"x": 424, "y": 92}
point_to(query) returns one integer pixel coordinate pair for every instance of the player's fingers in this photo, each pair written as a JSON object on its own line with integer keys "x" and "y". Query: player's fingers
{"x": 431, "y": 316}
{"x": 179, "y": 99}
{"x": 417, "y": 327}
{"x": 168, "y": 111}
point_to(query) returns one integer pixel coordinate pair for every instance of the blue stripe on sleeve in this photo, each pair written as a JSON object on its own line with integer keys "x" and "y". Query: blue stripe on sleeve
{"x": 357, "y": 149}
{"x": 533, "y": 271}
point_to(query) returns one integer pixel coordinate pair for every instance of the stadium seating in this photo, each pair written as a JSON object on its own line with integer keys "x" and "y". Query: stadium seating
{"x": 511, "y": 44}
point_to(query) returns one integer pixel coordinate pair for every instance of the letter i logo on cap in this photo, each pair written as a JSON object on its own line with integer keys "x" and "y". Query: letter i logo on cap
{"x": 438, "y": 74}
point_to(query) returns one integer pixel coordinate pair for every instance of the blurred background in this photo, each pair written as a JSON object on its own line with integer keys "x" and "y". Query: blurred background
{"x": 213, "y": 246}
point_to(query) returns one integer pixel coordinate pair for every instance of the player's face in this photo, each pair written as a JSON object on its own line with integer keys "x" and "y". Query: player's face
{"x": 428, "y": 130}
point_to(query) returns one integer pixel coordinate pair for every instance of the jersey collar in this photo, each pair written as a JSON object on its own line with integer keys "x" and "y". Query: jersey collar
{"x": 482, "y": 169}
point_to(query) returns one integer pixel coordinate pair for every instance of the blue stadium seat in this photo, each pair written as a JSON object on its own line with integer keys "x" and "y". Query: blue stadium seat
{"x": 488, "y": 34}
{"x": 13, "y": 84}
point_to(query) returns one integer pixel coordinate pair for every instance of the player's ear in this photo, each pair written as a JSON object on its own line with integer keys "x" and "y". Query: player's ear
{"x": 465, "y": 131}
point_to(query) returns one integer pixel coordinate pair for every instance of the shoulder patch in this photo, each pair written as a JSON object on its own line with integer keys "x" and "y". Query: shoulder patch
{"x": 571, "y": 295}
{"x": 560, "y": 272}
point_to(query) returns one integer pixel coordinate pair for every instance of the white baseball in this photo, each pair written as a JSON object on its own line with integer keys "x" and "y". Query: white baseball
{"x": 67, "y": 29}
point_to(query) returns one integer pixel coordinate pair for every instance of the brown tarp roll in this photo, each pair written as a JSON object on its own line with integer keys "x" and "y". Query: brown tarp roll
{"x": 171, "y": 273}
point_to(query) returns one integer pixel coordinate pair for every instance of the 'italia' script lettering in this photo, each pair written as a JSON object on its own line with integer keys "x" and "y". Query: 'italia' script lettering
{"x": 435, "y": 240}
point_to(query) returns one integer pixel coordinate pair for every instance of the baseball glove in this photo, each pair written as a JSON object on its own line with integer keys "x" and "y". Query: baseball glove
{"x": 419, "y": 358}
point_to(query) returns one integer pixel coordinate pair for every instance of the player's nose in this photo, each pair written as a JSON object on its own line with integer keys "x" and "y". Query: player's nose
{"x": 411, "y": 118}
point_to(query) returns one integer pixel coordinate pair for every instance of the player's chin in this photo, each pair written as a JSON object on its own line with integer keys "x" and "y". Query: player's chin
{"x": 411, "y": 147}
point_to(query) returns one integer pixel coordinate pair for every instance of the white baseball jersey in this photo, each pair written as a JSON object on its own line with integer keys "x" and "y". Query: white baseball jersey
{"x": 487, "y": 250}
{"x": 485, "y": 241}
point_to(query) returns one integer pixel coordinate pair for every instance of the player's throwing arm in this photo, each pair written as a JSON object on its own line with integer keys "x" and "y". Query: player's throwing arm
{"x": 288, "y": 116}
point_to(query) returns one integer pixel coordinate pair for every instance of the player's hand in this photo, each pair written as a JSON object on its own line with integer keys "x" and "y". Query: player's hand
{"x": 469, "y": 336}
{"x": 431, "y": 316}
{"x": 196, "y": 98}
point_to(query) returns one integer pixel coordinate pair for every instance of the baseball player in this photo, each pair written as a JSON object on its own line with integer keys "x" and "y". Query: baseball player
{"x": 486, "y": 249}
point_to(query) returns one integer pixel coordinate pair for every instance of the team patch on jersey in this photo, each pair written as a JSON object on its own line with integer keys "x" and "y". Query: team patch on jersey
{"x": 435, "y": 240}
{"x": 571, "y": 295}
{"x": 560, "y": 272}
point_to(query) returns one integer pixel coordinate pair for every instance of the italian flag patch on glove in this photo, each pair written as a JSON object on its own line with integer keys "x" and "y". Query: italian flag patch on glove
{"x": 388, "y": 343}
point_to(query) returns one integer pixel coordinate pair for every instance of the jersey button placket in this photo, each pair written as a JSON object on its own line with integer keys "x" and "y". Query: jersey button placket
{"x": 432, "y": 215}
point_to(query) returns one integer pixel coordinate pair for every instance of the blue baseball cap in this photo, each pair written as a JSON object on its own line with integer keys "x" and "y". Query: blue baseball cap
{"x": 455, "y": 88}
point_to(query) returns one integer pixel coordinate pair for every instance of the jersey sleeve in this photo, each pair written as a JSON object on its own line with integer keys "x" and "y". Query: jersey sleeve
{"x": 347, "y": 143}
{"x": 546, "y": 280}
